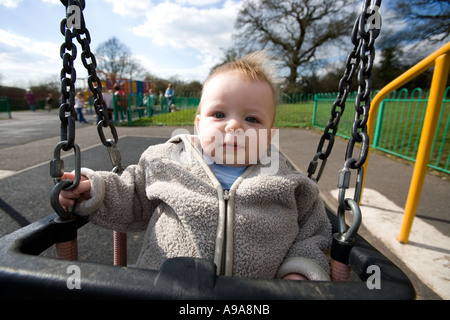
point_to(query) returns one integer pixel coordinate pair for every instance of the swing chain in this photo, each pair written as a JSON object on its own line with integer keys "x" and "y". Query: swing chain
{"x": 89, "y": 62}
{"x": 359, "y": 130}
{"x": 67, "y": 113}
{"x": 95, "y": 86}
{"x": 363, "y": 39}
{"x": 362, "y": 101}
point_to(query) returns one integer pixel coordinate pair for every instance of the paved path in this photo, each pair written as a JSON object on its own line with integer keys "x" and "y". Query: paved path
{"x": 26, "y": 147}
{"x": 426, "y": 258}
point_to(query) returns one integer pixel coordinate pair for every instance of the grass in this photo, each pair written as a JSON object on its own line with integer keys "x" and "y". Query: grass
{"x": 179, "y": 118}
{"x": 294, "y": 115}
{"x": 288, "y": 115}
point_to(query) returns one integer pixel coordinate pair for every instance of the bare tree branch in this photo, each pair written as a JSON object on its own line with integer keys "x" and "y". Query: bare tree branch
{"x": 292, "y": 30}
{"x": 115, "y": 59}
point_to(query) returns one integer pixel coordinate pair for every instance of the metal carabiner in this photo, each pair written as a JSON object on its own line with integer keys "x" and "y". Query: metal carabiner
{"x": 345, "y": 235}
{"x": 64, "y": 215}
{"x": 313, "y": 166}
{"x": 344, "y": 183}
{"x": 114, "y": 155}
{"x": 343, "y": 241}
{"x": 57, "y": 171}
{"x": 57, "y": 165}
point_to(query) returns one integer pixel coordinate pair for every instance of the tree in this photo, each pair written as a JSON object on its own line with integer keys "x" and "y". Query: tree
{"x": 133, "y": 69}
{"x": 115, "y": 59}
{"x": 390, "y": 66}
{"x": 228, "y": 55}
{"x": 293, "y": 30}
{"x": 424, "y": 19}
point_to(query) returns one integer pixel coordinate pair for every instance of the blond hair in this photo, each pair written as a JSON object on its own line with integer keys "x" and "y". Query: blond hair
{"x": 256, "y": 66}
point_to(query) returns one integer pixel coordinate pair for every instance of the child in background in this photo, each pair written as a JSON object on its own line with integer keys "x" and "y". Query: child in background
{"x": 79, "y": 106}
{"x": 214, "y": 195}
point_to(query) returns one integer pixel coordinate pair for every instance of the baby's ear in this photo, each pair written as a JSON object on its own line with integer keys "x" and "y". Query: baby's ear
{"x": 197, "y": 124}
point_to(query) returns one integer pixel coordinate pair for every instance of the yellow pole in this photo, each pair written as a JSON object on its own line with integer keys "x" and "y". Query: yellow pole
{"x": 437, "y": 89}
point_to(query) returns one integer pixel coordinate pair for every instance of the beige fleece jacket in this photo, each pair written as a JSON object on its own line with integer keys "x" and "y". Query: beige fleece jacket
{"x": 270, "y": 223}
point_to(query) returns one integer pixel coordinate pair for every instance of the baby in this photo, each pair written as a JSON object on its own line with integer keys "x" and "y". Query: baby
{"x": 211, "y": 196}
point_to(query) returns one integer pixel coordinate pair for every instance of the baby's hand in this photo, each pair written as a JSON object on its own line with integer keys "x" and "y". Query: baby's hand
{"x": 80, "y": 193}
{"x": 295, "y": 276}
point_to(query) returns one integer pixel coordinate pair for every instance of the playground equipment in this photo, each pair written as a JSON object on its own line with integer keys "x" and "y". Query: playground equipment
{"x": 440, "y": 59}
{"x": 25, "y": 274}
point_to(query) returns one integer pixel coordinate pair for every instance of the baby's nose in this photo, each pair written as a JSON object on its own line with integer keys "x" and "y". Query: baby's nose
{"x": 234, "y": 125}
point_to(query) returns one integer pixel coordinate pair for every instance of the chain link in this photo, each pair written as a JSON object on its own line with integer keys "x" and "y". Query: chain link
{"x": 67, "y": 113}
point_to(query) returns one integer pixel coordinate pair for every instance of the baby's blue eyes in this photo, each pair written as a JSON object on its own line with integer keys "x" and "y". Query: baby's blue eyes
{"x": 221, "y": 115}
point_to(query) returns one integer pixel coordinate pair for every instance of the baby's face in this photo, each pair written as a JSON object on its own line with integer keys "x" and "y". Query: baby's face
{"x": 235, "y": 120}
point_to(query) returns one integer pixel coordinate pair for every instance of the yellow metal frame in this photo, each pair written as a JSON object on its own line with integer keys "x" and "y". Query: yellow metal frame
{"x": 441, "y": 60}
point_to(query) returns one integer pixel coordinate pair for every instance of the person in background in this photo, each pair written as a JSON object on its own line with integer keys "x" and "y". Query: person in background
{"x": 149, "y": 101}
{"x": 121, "y": 101}
{"x": 49, "y": 102}
{"x": 79, "y": 106}
{"x": 107, "y": 97}
{"x": 31, "y": 99}
{"x": 170, "y": 93}
{"x": 161, "y": 101}
{"x": 173, "y": 108}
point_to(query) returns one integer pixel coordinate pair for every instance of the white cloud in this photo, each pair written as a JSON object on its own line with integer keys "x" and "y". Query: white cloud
{"x": 206, "y": 30}
{"x": 55, "y": 2}
{"x": 10, "y": 3}
{"x": 140, "y": 7}
{"x": 166, "y": 71}
{"x": 197, "y": 2}
{"x": 24, "y": 44}
{"x": 24, "y": 56}
{"x": 131, "y": 8}
{"x": 169, "y": 24}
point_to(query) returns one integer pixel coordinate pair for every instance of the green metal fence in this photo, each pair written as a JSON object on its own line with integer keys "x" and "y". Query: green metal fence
{"x": 5, "y": 110}
{"x": 399, "y": 124}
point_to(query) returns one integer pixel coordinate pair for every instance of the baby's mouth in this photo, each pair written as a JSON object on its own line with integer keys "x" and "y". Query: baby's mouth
{"x": 232, "y": 146}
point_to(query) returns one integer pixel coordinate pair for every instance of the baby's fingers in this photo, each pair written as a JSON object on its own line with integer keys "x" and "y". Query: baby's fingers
{"x": 68, "y": 176}
{"x": 66, "y": 200}
{"x": 84, "y": 187}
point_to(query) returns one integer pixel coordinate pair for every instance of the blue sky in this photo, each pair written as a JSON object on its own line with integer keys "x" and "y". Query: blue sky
{"x": 181, "y": 38}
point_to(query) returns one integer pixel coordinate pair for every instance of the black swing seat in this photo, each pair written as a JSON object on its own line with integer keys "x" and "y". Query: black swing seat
{"x": 24, "y": 274}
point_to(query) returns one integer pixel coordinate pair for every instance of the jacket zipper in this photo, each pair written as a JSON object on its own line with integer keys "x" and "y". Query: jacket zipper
{"x": 226, "y": 197}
